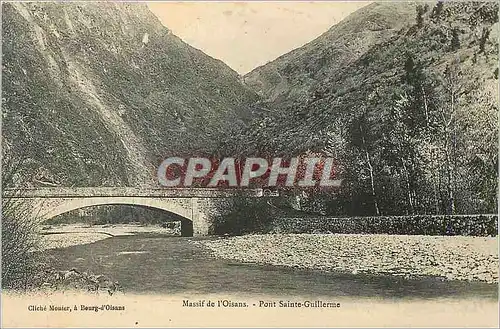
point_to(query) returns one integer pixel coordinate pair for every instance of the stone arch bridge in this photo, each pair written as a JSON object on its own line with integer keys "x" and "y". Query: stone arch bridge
{"x": 193, "y": 205}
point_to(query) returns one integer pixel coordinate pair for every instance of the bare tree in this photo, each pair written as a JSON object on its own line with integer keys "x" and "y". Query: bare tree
{"x": 370, "y": 169}
{"x": 453, "y": 88}
{"x": 20, "y": 239}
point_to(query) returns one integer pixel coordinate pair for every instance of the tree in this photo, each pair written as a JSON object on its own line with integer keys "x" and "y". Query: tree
{"x": 484, "y": 37}
{"x": 451, "y": 130}
{"x": 363, "y": 139}
{"x": 400, "y": 142}
{"x": 455, "y": 40}
{"x": 409, "y": 134}
{"x": 436, "y": 11}
{"x": 420, "y": 18}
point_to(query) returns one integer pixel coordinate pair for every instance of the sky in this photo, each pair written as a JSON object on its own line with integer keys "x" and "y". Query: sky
{"x": 246, "y": 35}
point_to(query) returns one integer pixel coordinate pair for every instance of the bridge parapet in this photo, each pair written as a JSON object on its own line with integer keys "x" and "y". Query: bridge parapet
{"x": 82, "y": 192}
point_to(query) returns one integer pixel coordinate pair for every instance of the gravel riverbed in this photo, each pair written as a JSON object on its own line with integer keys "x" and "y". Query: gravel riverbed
{"x": 67, "y": 235}
{"x": 64, "y": 240}
{"x": 448, "y": 257}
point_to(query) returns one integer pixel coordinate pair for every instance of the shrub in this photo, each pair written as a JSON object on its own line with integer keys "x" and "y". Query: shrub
{"x": 241, "y": 215}
{"x": 20, "y": 239}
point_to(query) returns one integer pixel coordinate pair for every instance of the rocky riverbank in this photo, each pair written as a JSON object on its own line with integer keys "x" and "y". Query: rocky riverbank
{"x": 447, "y": 257}
{"x": 64, "y": 240}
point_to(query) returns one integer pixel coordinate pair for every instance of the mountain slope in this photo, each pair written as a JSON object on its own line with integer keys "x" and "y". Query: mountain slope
{"x": 98, "y": 94}
{"x": 293, "y": 74}
{"x": 412, "y": 120}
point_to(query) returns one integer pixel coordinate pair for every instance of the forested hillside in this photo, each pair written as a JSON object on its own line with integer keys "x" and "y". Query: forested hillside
{"x": 412, "y": 120}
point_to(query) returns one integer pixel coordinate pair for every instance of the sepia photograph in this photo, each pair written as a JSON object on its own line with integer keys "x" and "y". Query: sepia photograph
{"x": 249, "y": 164}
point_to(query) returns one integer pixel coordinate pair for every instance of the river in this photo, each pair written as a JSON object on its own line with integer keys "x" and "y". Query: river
{"x": 156, "y": 264}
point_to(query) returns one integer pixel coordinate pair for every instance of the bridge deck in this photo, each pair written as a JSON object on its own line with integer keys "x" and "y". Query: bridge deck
{"x": 71, "y": 192}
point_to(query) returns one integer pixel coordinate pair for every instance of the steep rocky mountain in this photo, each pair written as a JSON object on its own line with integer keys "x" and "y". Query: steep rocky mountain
{"x": 292, "y": 75}
{"x": 98, "y": 94}
{"x": 409, "y": 110}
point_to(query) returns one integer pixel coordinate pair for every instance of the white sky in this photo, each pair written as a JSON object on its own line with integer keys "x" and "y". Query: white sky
{"x": 248, "y": 34}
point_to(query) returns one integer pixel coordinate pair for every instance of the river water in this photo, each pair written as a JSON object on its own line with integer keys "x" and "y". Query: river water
{"x": 147, "y": 264}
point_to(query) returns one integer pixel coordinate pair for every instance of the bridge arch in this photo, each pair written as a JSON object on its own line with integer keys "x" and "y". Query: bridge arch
{"x": 52, "y": 208}
{"x": 196, "y": 205}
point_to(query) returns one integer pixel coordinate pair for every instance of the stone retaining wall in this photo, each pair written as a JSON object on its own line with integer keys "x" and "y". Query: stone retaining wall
{"x": 466, "y": 225}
